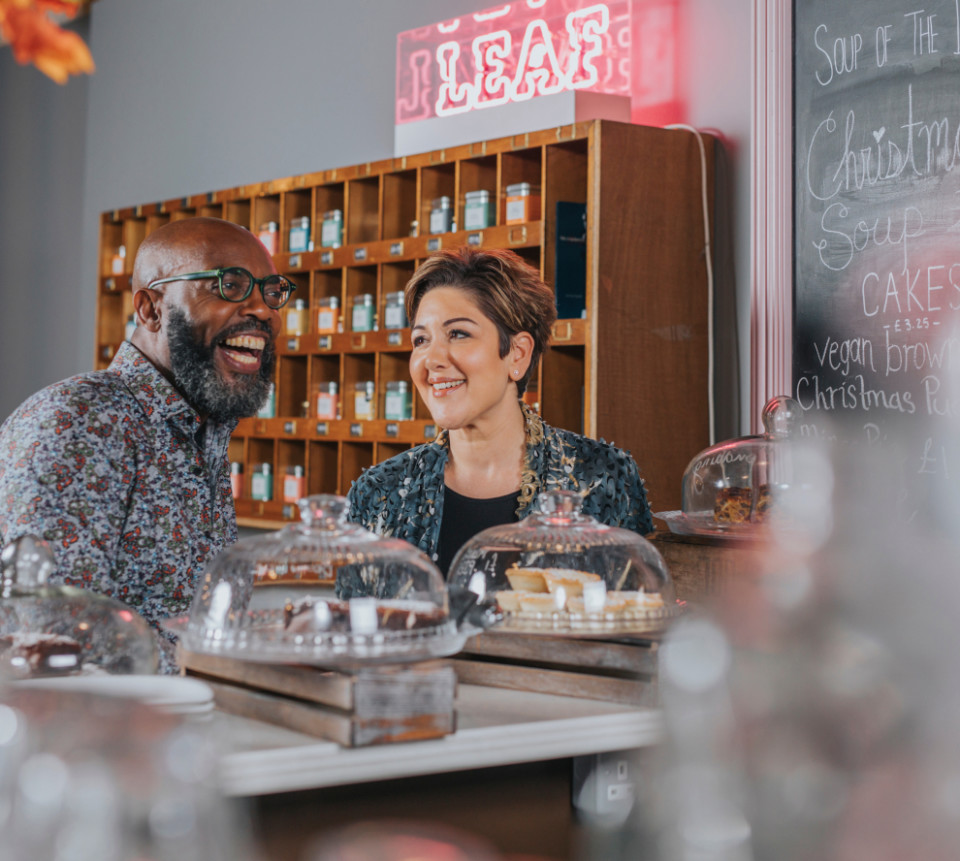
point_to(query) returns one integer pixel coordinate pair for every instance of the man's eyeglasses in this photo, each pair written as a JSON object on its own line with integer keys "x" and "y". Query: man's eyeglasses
{"x": 236, "y": 284}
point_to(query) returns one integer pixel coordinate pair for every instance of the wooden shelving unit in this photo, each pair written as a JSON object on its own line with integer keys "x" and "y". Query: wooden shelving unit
{"x": 633, "y": 370}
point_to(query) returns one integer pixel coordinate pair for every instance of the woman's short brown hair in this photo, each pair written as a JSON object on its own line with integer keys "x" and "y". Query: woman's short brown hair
{"x": 509, "y": 291}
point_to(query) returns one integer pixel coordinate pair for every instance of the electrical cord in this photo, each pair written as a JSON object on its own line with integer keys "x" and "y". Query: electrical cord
{"x": 709, "y": 257}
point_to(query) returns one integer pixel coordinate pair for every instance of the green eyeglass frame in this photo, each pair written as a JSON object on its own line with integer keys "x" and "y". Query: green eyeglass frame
{"x": 275, "y": 296}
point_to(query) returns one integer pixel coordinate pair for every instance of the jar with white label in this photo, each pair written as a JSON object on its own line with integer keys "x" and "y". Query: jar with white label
{"x": 331, "y": 229}
{"x": 441, "y": 215}
{"x": 294, "y": 484}
{"x": 299, "y": 237}
{"x": 362, "y": 316}
{"x": 327, "y": 401}
{"x": 523, "y": 203}
{"x": 398, "y": 401}
{"x": 261, "y": 483}
{"x": 394, "y": 312}
{"x": 365, "y": 401}
{"x": 269, "y": 408}
{"x": 328, "y": 314}
{"x": 478, "y": 210}
{"x": 269, "y": 235}
{"x": 298, "y": 318}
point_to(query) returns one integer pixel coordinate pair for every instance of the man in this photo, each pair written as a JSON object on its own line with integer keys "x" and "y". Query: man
{"x": 125, "y": 471}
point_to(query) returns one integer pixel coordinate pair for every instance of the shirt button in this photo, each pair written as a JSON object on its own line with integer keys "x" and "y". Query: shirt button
{"x": 196, "y": 470}
{"x": 208, "y": 535}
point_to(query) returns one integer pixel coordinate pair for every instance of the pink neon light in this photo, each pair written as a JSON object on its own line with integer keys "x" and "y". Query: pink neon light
{"x": 518, "y": 51}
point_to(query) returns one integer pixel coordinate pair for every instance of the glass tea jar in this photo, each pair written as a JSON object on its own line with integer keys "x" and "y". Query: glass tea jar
{"x": 331, "y": 229}
{"x": 441, "y": 215}
{"x": 118, "y": 262}
{"x": 236, "y": 479}
{"x": 398, "y": 401}
{"x": 269, "y": 408}
{"x": 298, "y": 318}
{"x": 523, "y": 203}
{"x": 298, "y": 238}
{"x": 394, "y": 311}
{"x": 478, "y": 210}
{"x": 328, "y": 315}
{"x": 269, "y": 235}
{"x": 365, "y": 401}
{"x": 362, "y": 316}
{"x": 323, "y": 591}
{"x": 294, "y": 484}
{"x": 327, "y": 401}
{"x": 560, "y": 571}
{"x": 740, "y": 486}
{"x": 261, "y": 483}
{"x": 48, "y": 630}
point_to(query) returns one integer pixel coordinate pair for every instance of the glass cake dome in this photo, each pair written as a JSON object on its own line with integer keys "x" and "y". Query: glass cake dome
{"x": 48, "y": 630}
{"x": 323, "y": 591}
{"x": 560, "y": 571}
{"x": 735, "y": 488}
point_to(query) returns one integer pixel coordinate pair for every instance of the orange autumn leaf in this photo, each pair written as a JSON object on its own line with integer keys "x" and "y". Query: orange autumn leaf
{"x": 34, "y": 38}
{"x": 62, "y": 7}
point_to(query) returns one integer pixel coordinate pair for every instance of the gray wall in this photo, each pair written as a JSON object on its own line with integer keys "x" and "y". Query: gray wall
{"x": 42, "y": 154}
{"x": 191, "y": 96}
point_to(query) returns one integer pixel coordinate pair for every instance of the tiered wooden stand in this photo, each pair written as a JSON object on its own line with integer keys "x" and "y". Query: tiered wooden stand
{"x": 620, "y": 670}
{"x": 372, "y": 705}
{"x": 632, "y": 369}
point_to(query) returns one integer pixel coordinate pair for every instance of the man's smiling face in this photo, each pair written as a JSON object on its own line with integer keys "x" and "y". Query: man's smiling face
{"x": 219, "y": 354}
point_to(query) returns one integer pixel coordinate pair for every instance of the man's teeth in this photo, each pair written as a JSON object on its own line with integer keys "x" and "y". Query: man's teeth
{"x": 248, "y": 342}
{"x": 244, "y": 358}
{"x": 438, "y": 386}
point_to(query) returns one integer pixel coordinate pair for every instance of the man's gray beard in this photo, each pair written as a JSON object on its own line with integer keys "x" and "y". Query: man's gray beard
{"x": 194, "y": 372}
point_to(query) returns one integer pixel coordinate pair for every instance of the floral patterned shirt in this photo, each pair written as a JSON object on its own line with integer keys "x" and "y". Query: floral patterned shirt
{"x": 127, "y": 483}
{"x": 403, "y": 496}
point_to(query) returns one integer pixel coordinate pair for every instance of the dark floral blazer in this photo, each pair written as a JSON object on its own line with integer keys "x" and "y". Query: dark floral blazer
{"x": 403, "y": 497}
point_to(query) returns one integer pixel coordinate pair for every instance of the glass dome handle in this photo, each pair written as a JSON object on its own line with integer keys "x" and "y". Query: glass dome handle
{"x": 314, "y": 510}
{"x": 562, "y": 502}
{"x": 780, "y": 416}
{"x": 26, "y": 561}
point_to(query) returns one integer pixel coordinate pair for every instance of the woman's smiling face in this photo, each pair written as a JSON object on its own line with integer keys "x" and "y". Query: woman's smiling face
{"x": 456, "y": 363}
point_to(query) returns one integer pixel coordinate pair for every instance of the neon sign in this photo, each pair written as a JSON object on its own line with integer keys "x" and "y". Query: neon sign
{"x": 521, "y": 50}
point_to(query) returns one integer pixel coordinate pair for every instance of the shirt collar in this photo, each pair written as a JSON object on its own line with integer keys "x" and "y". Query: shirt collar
{"x": 157, "y": 396}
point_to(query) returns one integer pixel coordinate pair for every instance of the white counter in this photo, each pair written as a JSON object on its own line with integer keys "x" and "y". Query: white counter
{"x": 495, "y": 727}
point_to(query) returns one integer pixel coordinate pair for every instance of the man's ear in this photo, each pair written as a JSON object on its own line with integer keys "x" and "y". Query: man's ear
{"x": 147, "y": 306}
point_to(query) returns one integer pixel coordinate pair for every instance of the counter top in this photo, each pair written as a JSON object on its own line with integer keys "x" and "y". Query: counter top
{"x": 495, "y": 727}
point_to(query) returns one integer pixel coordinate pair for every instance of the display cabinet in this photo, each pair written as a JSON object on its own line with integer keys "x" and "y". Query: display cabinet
{"x": 614, "y": 221}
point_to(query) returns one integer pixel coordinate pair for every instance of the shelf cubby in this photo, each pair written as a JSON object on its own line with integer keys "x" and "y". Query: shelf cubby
{"x": 399, "y": 203}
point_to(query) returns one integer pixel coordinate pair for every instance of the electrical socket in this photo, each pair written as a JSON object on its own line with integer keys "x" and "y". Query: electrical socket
{"x": 603, "y": 786}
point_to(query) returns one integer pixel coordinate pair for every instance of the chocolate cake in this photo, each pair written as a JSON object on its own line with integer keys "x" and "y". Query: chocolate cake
{"x": 40, "y": 654}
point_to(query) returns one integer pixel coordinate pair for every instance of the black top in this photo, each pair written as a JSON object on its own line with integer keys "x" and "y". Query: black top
{"x": 464, "y": 517}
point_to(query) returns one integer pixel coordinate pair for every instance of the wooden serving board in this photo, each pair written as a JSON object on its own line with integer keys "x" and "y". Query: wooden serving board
{"x": 370, "y": 705}
{"x": 620, "y": 670}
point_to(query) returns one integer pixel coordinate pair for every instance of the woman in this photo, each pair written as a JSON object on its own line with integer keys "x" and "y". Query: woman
{"x": 480, "y": 321}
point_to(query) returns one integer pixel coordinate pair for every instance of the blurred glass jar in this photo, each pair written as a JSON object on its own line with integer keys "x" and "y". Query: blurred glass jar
{"x": 48, "y": 630}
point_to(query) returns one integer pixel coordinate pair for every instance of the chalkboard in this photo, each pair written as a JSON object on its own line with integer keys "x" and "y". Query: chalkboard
{"x": 877, "y": 224}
